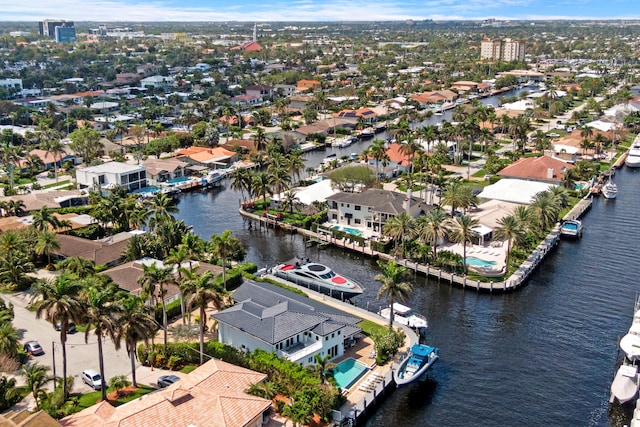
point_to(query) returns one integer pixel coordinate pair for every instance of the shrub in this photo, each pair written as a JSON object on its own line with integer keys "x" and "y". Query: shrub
{"x": 387, "y": 344}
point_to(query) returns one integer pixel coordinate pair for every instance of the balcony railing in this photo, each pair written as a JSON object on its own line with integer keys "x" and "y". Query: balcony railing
{"x": 293, "y": 354}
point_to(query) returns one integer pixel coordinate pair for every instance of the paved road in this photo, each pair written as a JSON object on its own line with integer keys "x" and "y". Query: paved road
{"x": 80, "y": 355}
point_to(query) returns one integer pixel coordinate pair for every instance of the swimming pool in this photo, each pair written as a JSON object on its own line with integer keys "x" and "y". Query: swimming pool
{"x": 348, "y": 230}
{"x": 477, "y": 262}
{"x": 178, "y": 180}
{"x": 146, "y": 190}
{"x": 347, "y": 372}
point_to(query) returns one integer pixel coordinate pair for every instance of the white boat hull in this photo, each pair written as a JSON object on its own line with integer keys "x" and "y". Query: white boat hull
{"x": 406, "y": 373}
{"x": 337, "y": 286}
{"x": 624, "y": 387}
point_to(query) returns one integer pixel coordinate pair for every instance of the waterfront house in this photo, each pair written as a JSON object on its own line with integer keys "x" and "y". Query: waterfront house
{"x": 214, "y": 158}
{"x": 126, "y": 275}
{"x": 214, "y": 395}
{"x": 518, "y": 191}
{"x": 108, "y": 175}
{"x": 163, "y": 170}
{"x": 542, "y": 169}
{"x": 276, "y": 320}
{"x": 364, "y": 115}
{"x": 108, "y": 251}
{"x": 372, "y": 208}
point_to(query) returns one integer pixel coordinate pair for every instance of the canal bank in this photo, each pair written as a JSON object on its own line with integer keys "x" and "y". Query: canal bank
{"x": 517, "y": 279}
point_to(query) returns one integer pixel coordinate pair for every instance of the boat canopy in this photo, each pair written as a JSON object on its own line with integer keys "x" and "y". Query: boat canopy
{"x": 421, "y": 350}
{"x": 401, "y": 309}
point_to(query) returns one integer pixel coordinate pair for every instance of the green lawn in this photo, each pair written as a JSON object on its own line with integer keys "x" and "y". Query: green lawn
{"x": 187, "y": 369}
{"x": 90, "y": 399}
{"x": 370, "y": 328}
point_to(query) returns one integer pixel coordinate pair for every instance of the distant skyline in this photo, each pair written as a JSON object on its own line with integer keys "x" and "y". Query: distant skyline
{"x": 314, "y": 10}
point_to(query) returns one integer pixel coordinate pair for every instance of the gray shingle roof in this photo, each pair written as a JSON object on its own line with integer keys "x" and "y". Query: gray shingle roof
{"x": 384, "y": 201}
{"x": 272, "y": 314}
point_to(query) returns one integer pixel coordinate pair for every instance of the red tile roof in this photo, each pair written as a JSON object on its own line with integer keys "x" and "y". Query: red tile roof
{"x": 544, "y": 169}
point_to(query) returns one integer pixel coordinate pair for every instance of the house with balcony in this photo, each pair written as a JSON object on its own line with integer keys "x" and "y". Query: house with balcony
{"x": 276, "y": 320}
{"x": 163, "y": 170}
{"x": 371, "y": 209}
{"x": 109, "y": 175}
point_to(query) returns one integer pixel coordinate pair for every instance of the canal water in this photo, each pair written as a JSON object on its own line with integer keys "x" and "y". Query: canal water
{"x": 541, "y": 356}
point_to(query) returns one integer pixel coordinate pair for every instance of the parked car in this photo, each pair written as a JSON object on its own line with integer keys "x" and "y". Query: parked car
{"x": 71, "y": 329}
{"x": 34, "y": 348}
{"x": 167, "y": 380}
{"x": 92, "y": 378}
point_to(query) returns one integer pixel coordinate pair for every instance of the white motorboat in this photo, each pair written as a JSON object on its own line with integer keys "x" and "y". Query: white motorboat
{"x": 342, "y": 142}
{"x": 571, "y": 228}
{"x": 366, "y": 132}
{"x": 214, "y": 176}
{"x": 610, "y": 189}
{"x": 317, "y": 277}
{"x": 625, "y": 384}
{"x": 405, "y": 316}
{"x": 633, "y": 157}
{"x": 416, "y": 364}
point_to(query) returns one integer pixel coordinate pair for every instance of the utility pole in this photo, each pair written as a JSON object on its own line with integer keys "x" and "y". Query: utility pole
{"x": 53, "y": 353}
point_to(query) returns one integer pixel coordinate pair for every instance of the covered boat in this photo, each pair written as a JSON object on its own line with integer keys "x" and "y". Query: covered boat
{"x": 571, "y": 228}
{"x": 417, "y": 363}
{"x": 405, "y": 316}
{"x": 318, "y": 277}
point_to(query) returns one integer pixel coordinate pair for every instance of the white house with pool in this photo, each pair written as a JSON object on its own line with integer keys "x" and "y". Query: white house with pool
{"x": 276, "y": 320}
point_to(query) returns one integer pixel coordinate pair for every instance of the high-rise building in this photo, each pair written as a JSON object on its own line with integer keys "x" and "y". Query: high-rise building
{"x": 65, "y": 34}
{"x": 505, "y": 49}
{"x": 48, "y": 28}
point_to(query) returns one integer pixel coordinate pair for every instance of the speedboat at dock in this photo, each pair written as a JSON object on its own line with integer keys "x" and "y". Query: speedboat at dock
{"x": 416, "y": 364}
{"x": 317, "y": 277}
{"x": 405, "y": 316}
{"x": 610, "y": 189}
{"x": 571, "y": 228}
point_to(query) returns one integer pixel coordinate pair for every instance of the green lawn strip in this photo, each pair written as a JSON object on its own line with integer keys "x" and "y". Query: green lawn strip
{"x": 370, "y": 328}
{"x": 90, "y": 399}
{"x": 55, "y": 184}
{"x": 188, "y": 369}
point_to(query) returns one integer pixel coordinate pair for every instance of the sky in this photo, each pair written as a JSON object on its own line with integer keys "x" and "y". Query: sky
{"x": 313, "y": 10}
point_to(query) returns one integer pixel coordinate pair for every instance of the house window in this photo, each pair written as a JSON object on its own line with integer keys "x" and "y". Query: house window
{"x": 333, "y": 335}
{"x": 357, "y": 207}
{"x": 334, "y": 216}
{"x": 357, "y": 220}
{"x": 326, "y": 338}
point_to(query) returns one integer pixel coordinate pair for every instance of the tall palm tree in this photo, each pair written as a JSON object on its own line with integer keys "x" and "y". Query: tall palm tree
{"x": 457, "y": 195}
{"x": 241, "y": 180}
{"x": 9, "y": 156}
{"x": 378, "y": 151}
{"x": 392, "y": 288}
{"x": 54, "y": 148}
{"x": 261, "y": 184}
{"x": 400, "y": 228}
{"x": 61, "y": 303}
{"x": 177, "y": 257}
{"x": 222, "y": 245}
{"x": 432, "y": 228}
{"x": 103, "y": 310}
{"x": 153, "y": 281}
{"x": 460, "y": 229}
{"x": 45, "y": 218}
{"x": 136, "y": 324}
{"x": 204, "y": 292}
{"x": 511, "y": 229}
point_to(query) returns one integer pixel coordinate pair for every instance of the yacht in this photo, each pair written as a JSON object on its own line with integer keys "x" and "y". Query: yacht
{"x": 633, "y": 157}
{"x": 416, "y": 364}
{"x": 610, "y": 189}
{"x": 624, "y": 387}
{"x": 317, "y": 277}
{"x": 405, "y": 316}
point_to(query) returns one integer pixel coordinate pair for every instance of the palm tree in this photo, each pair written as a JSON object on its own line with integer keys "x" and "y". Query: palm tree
{"x": 103, "y": 311}
{"x": 204, "y": 293}
{"x": 378, "y": 153}
{"x": 9, "y": 340}
{"x": 135, "y": 324}
{"x": 431, "y": 228}
{"x": 80, "y": 266}
{"x": 241, "y": 180}
{"x": 61, "y": 303}
{"x": 45, "y": 218}
{"x": 289, "y": 200}
{"x": 545, "y": 208}
{"x": 460, "y": 229}
{"x": 9, "y": 156}
{"x": 393, "y": 287}
{"x": 153, "y": 281}
{"x": 54, "y": 148}
{"x": 46, "y": 243}
{"x": 261, "y": 184}
{"x": 36, "y": 377}
{"x": 400, "y": 228}
{"x": 323, "y": 366}
{"x": 14, "y": 266}
{"x": 511, "y": 229}
{"x": 457, "y": 195}
{"x": 222, "y": 245}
